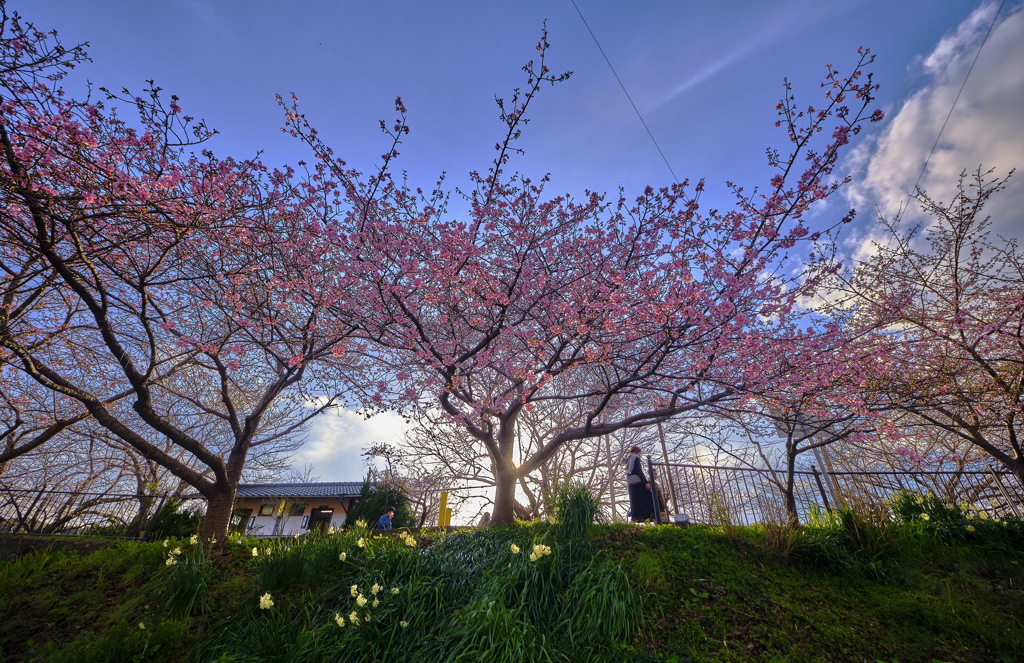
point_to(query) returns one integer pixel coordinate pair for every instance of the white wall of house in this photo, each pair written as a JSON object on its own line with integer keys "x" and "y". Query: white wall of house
{"x": 277, "y": 517}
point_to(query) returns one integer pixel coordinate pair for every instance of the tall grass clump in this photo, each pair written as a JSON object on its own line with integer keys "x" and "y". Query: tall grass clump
{"x": 604, "y": 607}
{"x": 577, "y": 510}
{"x": 184, "y": 582}
{"x": 850, "y": 542}
{"x": 488, "y": 630}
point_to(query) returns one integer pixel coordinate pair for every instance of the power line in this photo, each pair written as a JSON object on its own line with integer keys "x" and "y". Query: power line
{"x": 935, "y": 146}
{"x": 626, "y": 92}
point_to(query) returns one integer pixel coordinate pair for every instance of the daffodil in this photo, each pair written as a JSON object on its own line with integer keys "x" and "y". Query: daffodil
{"x": 266, "y": 602}
{"x": 354, "y": 590}
{"x": 925, "y": 516}
{"x": 539, "y": 551}
{"x": 395, "y": 590}
{"x": 403, "y": 624}
{"x": 255, "y": 551}
{"x": 142, "y": 626}
{"x": 339, "y": 620}
{"x": 376, "y": 603}
{"x": 354, "y": 618}
{"x": 970, "y": 528}
{"x": 360, "y": 600}
{"x": 375, "y": 589}
{"x": 342, "y": 556}
{"x": 361, "y": 542}
{"x": 171, "y": 561}
{"x": 194, "y": 539}
{"x": 514, "y": 548}
{"x": 360, "y": 523}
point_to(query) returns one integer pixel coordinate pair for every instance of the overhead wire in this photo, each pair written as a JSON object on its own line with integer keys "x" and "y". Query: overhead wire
{"x": 938, "y": 137}
{"x": 927, "y": 160}
{"x": 626, "y": 92}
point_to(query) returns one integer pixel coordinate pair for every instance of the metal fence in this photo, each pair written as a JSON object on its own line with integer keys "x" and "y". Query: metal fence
{"x": 743, "y": 496}
{"x": 69, "y": 513}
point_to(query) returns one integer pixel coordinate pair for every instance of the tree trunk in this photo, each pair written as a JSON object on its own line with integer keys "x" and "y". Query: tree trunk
{"x": 504, "y": 492}
{"x": 793, "y": 520}
{"x": 218, "y": 514}
{"x": 1016, "y": 466}
{"x": 221, "y": 503}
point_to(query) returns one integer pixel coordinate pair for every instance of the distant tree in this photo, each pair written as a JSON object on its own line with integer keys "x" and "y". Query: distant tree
{"x": 446, "y": 451}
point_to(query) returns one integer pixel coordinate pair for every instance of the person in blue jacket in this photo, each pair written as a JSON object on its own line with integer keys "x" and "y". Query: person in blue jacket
{"x": 384, "y": 522}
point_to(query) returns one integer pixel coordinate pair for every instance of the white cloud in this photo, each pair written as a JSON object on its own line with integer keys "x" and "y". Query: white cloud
{"x": 337, "y": 437}
{"x": 985, "y": 128}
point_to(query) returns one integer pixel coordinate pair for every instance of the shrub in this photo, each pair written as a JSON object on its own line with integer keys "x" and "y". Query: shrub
{"x": 374, "y": 498}
{"x": 173, "y": 520}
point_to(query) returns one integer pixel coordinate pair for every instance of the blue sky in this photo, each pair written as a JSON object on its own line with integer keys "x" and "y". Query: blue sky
{"x": 705, "y": 75}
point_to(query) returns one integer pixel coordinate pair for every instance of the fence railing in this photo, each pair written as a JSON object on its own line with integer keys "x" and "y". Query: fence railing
{"x": 70, "y": 513}
{"x": 743, "y": 496}
{"x": 706, "y": 493}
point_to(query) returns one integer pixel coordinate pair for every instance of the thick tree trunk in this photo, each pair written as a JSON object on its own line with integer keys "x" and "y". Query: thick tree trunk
{"x": 504, "y": 493}
{"x": 218, "y": 515}
{"x": 221, "y": 503}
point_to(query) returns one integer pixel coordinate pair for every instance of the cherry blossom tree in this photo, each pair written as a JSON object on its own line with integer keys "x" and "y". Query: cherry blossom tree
{"x": 946, "y": 303}
{"x": 139, "y": 268}
{"x": 638, "y": 309}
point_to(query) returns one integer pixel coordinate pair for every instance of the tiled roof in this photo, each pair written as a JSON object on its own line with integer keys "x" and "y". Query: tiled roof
{"x": 330, "y": 489}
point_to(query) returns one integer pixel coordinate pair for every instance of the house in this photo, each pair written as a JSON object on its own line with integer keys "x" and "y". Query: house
{"x": 287, "y": 509}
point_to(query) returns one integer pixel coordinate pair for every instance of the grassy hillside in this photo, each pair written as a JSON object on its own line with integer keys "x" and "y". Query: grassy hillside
{"x": 843, "y": 589}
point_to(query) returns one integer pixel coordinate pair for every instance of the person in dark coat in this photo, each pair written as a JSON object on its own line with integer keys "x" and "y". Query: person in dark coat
{"x": 641, "y": 503}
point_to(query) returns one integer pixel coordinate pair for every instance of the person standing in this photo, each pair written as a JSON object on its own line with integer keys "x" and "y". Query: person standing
{"x": 641, "y": 504}
{"x": 384, "y": 522}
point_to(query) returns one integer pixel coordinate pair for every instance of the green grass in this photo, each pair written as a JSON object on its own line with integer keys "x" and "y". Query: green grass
{"x": 846, "y": 588}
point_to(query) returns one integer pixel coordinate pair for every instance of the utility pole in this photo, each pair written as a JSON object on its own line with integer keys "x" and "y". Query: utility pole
{"x": 611, "y": 473}
{"x": 668, "y": 470}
